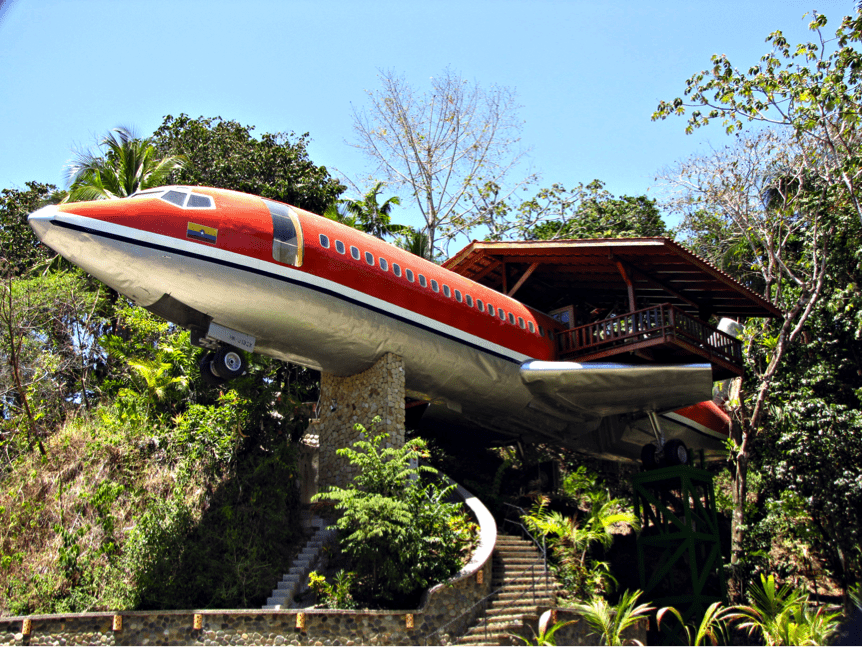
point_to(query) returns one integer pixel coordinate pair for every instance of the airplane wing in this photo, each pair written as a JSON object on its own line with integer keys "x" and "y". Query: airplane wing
{"x": 580, "y": 392}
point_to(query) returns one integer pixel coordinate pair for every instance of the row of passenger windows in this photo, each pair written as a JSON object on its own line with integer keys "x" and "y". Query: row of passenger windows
{"x": 409, "y": 275}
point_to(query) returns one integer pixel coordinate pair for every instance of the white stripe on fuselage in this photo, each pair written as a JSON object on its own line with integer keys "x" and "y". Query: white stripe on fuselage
{"x": 132, "y": 235}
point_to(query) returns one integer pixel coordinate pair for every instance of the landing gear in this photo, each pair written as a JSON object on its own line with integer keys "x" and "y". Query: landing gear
{"x": 673, "y": 453}
{"x": 651, "y": 456}
{"x": 225, "y": 364}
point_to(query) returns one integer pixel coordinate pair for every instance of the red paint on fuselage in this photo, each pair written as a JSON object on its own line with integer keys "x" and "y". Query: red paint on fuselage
{"x": 245, "y": 227}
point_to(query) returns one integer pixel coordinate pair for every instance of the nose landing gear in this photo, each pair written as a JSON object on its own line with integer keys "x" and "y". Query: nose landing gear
{"x": 225, "y": 364}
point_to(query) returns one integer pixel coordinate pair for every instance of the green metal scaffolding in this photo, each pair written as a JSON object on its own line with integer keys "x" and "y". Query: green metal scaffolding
{"x": 679, "y": 552}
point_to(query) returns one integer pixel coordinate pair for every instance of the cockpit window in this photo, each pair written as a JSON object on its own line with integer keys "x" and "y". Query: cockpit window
{"x": 175, "y": 197}
{"x": 197, "y": 201}
{"x": 287, "y": 234}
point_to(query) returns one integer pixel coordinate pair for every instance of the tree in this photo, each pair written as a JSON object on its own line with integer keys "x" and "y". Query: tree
{"x": 781, "y": 195}
{"x": 439, "y": 147}
{"x": 399, "y": 532}
{"x": 19, "y": 246}
{"x": 588, "y": 212}
{"x": 128, "y": 164}
{"x": 224, "y": 154}
{"x": 816, "y": 92}
{"x": 783, "y": 221}
{"x": 367, "y": 215}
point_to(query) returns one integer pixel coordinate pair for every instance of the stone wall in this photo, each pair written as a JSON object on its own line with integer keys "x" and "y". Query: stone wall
{"x": 346, "y": 401}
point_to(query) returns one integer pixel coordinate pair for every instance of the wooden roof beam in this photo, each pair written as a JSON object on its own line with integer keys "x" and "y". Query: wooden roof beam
{"x": 524, "y": 277}
{"x": 656, "y": 283}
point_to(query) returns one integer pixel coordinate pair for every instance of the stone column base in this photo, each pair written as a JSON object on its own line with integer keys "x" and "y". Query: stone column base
{"x": 346, "y": 401}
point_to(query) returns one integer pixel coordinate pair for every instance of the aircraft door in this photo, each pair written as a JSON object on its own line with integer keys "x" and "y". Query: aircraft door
{"x": 287, "y": 234}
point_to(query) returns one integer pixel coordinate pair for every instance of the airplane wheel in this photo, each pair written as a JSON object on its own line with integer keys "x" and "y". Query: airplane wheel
{"x": 650, "y": 457}
{"x": 205, "y": 365}
{"x": 229, "y": 363}
{"x": 675, "y": 453}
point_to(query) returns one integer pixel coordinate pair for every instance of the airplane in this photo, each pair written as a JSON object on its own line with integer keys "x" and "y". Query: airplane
{"x": 246, "y": 274}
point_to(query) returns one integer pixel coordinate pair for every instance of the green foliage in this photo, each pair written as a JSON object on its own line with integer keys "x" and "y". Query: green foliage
{"x": 367, "y": 215}
{"x": 19, "y": 247}
{"x": 128, "y": 164}
{"x": 813, "y": 89}
{"x": 574, "y": 540}
{"x": 783, "y": 616}
{"x": 608, "y": 623}
{"x": 399, "y": 533}
{"x": 225, "y": 154}
{"x": 336, "y": 595}
{"x": 713, "y": 625}
{"x": 589, "y": 212}
{"x": 545, "y": 635}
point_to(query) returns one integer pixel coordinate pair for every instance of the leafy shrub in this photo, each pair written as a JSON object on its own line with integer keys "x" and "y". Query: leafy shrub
{"x": 398, "y": 530}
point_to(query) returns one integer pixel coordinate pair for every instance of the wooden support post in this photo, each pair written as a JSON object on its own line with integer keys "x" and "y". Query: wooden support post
{"x": 630, "y": 288}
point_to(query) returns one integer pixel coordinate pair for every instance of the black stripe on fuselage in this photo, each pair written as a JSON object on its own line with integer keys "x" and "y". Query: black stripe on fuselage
{"x": 278, "y": 277}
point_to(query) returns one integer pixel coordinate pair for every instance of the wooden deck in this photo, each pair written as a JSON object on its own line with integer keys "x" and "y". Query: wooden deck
{"x": 663, "y": 333}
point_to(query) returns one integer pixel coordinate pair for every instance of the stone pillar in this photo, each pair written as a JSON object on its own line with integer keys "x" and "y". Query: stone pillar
{"x": 346, "y": 401}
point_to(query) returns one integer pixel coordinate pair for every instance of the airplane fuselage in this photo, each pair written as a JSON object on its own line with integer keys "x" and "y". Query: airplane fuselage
{"x": 305, "y": 289}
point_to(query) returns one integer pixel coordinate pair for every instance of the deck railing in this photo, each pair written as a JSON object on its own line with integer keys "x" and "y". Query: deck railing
{"x": 649, "y": 327}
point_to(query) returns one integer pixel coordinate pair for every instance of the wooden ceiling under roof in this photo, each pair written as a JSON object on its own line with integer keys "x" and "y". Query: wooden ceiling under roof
{"x": 608, "y": 273}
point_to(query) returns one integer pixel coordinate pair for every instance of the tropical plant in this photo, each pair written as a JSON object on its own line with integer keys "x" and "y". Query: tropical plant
{"x": 128, "y": 164}
{"x": 713, "y": 624}
{"x": 397, "y": 530}
{"x": 783, "y": 616}
{"x": 610, "y": 622}
{"x": 573, "y": 539}
{"x": 417, "y": 243}
{"x": 545, "y": 633}
{"x": 374, "y": 218}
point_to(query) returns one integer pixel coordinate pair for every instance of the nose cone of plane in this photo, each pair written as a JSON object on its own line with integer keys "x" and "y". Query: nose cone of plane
{"x": 40, "y": 220}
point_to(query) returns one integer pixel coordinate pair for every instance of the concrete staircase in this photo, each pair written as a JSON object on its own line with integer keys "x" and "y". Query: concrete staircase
{"x": 521, "y": 593}
{"x": 296, "y": 580}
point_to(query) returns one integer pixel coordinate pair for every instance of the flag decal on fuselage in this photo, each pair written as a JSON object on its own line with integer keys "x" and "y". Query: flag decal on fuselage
{"x": 202, "y": 232}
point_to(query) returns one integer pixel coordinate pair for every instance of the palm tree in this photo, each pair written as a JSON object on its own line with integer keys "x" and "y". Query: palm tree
{"x": 371, "y": 217}
{"x": 129, "y": 164}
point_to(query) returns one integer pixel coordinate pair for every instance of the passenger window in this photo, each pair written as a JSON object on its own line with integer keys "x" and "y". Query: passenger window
{"x": 501, "y": 314}
{"x": 491, "y": 309}
{"x": 520, "y": 322}
{"x": 422, "y": 280}
{"x": 325, "y": 242}
{"x": 458, "y": 296}
{"x": 355, "y": 253}
{"x": 383, "y": 263}
{"x": 468, "y": 300}
{"x": 479, "y": 304}
{"x": 370, "y": 258}
{"x": 340, "y": 247}
{"x": 511, "y": 319}
{"x": 531, "y": 327}
{"x": 435, "y": 286}
{"x": 446, "y": 291}
{"x": 397, "y": 270}
{"x": 409, "y": 275}
{"x": 541, "y": 332}
{"x": 287, "y": 234}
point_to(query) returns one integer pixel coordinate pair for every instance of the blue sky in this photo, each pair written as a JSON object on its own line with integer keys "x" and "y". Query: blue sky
{"x": 588, "y": 74}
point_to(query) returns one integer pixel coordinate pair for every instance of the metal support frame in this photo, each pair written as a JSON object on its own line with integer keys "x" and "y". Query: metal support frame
{"x": 679, "y": 540}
